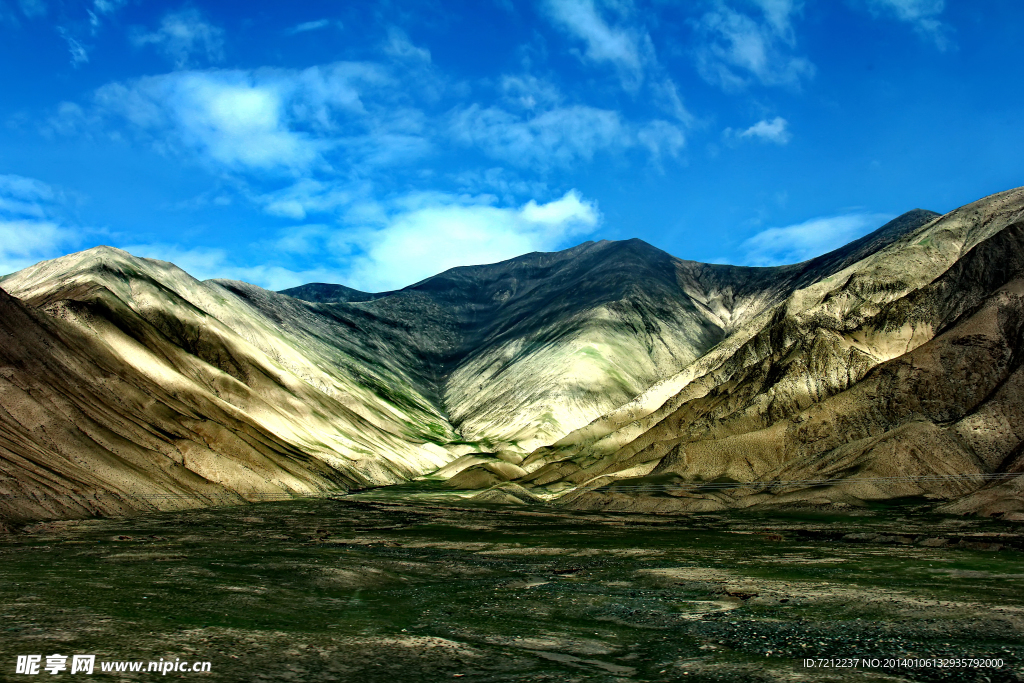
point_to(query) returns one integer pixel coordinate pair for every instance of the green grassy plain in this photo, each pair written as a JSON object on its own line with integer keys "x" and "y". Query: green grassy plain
{"x": 414, "y": 583}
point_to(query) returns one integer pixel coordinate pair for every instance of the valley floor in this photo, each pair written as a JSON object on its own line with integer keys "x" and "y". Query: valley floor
{"x": 406, "y": 584}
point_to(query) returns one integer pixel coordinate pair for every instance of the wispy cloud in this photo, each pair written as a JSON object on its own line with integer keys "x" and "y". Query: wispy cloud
{"x": 667, "y": 98}
{"x": 108, "y": 6}
{"x": 311, "y": 196}
{"x": 776, "y": 131}
{"x": 33, "y": 9}
{"x": 921, "y": 14}
{"x": 353, "y": 117}
{"x": 183, "y": 37}
{"x": 736, "y": 49}
{"x": 31, "y": 228}
{"x": 561, "y": 136}
{"x": 627, "y": 48}
{"x": 100, "y": 8}
{"x": 661, "y": 139}
{"x": 400, "y": 47}
{"x": 526, "y": 91}
{"x": 802, "y": 241}
{"x": 75, "y": 30}
{"x": 307, "y": 26}
{"x": 79, "y": 53}
{"x": 554, "y": 138}
{"x": 505, "y": 184}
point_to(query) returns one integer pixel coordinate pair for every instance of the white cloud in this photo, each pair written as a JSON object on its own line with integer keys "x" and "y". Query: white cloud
{"x": 417, "y": 236}
{"x": 568, "y": 210}
{"x": 529, "y": 92}
{"x": 100, "y": 8}
{"x": 921, "y": 14}
{"x": 666, "y": 96}
{"x": 30, "y": 227}
{"x": 797, "y": 243}
{"x": 227, "y": 116}
{"x": 399, "y": 46}
{"x": 108, "y": 6}
{"x": 349, "y": 120}
{"x": 183, "y": 36}
{"x": 629, "y": 49}
{"x": 79, "y": 54}
{"x": 268, "y": 119}
{"x": 555, "y": 138}
{"x": 436, "y": 233}
{"x": 25, "y": 242}
{"x": 776, "y": 130}
{"x": 308, "y": 26}
{"x": 736, "y": 48}
{"x": 304, "y": 197}
{"x": 661, "y": 138}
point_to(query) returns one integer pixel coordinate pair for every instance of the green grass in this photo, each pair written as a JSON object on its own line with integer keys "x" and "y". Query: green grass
{"x": 343, "y": 588}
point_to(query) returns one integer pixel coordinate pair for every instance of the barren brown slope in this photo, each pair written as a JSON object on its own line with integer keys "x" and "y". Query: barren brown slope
{"x": 233, "y": 326}
{"x": 529, "y": 349}
{"x": 742, "y": 409}
{"x": 367, "y": 389}
{"x": 83, "y": 433}
{"x": 130, "y": 354}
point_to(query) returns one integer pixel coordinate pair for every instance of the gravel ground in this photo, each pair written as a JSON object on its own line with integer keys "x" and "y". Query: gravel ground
{"x": 393, "y": 587}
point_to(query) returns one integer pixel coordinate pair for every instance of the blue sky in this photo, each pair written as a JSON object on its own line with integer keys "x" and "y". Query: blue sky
{"x": 375, "y": 144}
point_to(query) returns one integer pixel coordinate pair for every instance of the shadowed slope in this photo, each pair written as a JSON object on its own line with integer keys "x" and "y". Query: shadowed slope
{"x": 793, "y": 395}
{"x": 528, "y": 349}
{"x": 323, "y": 293}
{"x": 353, "y": 389}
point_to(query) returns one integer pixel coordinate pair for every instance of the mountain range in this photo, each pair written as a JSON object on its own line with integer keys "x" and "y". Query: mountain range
{"x": 607, "y": 376}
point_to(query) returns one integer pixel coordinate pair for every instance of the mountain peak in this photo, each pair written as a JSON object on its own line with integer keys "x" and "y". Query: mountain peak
{"x": 325, "y": 293}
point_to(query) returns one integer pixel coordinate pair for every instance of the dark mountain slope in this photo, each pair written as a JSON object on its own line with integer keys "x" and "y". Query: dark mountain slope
{"x": 528, "y": 349}
{"x": 323, "y": 293}
{"x": 918, "y": 334}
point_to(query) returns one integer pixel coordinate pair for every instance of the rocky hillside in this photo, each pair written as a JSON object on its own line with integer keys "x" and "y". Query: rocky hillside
{"x": 611, "y": 374}
{"x": 904, "y": 364}
{"x": 125, "y": 383}
{"x": 527, "y": 350}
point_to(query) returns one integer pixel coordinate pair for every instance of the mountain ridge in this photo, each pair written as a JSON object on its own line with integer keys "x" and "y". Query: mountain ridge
{"x": 580, "y": 370}
{"x": 824, "y": 319}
